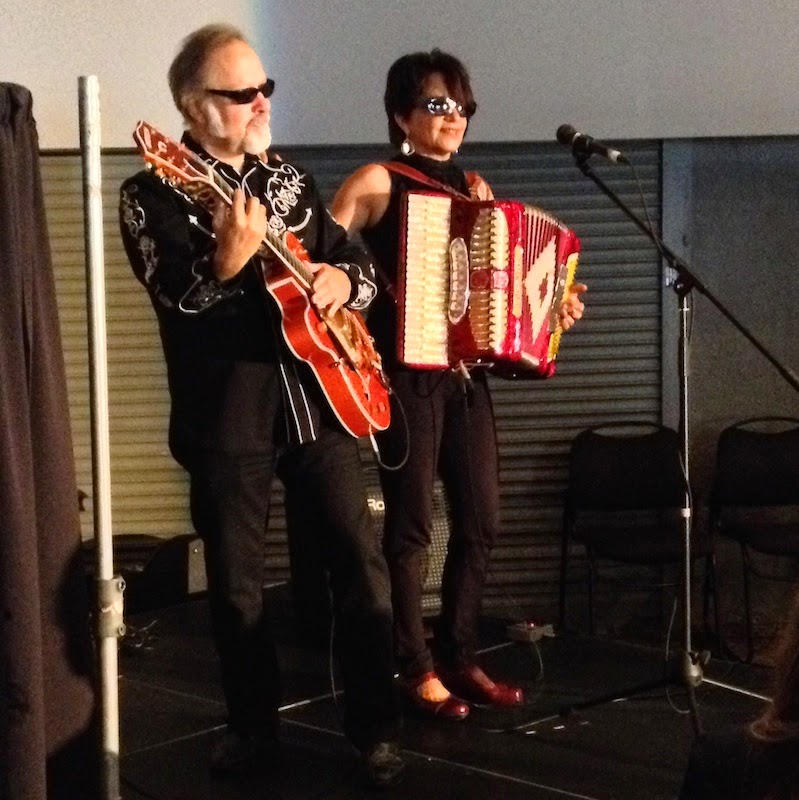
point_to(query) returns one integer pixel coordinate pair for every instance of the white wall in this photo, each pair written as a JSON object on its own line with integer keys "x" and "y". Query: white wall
{"x": 47, "y": 45}
{"x": 614, "y": 68}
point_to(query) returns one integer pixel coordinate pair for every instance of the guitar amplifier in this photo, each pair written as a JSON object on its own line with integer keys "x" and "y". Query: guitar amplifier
{"x": 433, "y": 565}
{"x": 309, "y": 582}
{"x": 158, "y": 572}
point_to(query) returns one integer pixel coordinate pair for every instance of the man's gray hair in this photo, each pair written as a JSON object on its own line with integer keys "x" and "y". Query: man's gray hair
{"x": 184, "y": 72}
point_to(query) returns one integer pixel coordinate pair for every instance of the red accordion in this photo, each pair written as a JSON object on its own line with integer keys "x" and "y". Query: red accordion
{"x": 481, "y": 283}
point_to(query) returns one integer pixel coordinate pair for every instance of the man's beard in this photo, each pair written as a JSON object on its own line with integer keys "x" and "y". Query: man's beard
{"x": 256, "y": 139}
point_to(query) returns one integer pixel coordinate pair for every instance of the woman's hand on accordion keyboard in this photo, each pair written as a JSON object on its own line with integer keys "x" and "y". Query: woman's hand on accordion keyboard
{"x": 572, "y": 307}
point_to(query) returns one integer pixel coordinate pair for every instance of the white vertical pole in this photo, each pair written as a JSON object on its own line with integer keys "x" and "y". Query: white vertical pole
{"x": 109, "y": 610}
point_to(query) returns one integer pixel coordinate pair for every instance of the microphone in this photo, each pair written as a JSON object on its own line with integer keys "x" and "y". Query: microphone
{"x": 581, "y": 144}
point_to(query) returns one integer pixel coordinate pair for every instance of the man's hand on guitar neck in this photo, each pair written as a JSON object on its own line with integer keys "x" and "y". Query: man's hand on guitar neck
{"x": 240, "y": 229}
{"x": 331, "y": 287}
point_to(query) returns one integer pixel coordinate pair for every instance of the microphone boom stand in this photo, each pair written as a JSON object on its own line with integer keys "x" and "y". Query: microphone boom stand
{"x": 688, "y": 669}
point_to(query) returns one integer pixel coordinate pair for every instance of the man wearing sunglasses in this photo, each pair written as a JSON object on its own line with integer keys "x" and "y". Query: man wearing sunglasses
{"x": 244, "y": 409}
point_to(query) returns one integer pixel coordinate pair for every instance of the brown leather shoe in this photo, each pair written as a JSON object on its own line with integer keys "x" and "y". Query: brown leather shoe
{"x": 451, "y": 709}
{"x": 476, "y": 687}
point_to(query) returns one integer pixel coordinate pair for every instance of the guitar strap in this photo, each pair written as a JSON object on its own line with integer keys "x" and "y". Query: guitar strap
{"x": 425, "y": 180}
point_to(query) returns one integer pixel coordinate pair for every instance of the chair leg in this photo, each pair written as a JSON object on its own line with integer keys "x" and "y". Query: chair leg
{"x": 678, "y": 600}
{"x": 590, "y": 563}
{"x": 661, "y": 594}
{"x": 564, "y": 557}
{"x": 710, "y": 594}
{"x": 750, "y": 648}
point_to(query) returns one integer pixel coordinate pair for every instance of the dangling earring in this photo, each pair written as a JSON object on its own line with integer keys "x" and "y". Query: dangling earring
{"x": 407, "y": 148}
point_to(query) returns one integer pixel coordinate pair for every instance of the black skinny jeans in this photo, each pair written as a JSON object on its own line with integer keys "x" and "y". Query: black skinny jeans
{"x": 326, "y": 508}
{"x": 451, "y": 434}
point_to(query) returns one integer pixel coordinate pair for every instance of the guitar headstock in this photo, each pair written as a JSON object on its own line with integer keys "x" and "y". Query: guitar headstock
{"x": 177, "y": 164}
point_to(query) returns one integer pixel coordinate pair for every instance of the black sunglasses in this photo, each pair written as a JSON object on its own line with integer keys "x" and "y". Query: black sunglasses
{"x": 242, "y": 96}
{"x": 443, "y": 106}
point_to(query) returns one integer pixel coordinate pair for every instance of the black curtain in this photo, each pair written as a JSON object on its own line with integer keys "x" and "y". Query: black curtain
{"x": 47, "y": 700}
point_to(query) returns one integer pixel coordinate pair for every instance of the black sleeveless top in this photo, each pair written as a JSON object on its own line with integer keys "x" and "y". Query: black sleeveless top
{"x": 383, "y": 241}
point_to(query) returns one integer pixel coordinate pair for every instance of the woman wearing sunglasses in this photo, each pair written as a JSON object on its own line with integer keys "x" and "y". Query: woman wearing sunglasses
{"x": 450, "y": 423}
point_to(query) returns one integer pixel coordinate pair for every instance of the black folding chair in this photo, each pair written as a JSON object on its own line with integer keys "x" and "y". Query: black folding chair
{"x": 624, "y": 501}
{"x": 755, "y": 495}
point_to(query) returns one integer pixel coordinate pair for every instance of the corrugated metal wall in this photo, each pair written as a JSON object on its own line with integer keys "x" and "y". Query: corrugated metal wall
{"x": 610, "y": 365}
{"x": 147, "y": 487}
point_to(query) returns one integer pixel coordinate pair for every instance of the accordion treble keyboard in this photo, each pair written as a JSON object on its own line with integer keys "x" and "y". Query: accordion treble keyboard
{"x": 481, "y": 282}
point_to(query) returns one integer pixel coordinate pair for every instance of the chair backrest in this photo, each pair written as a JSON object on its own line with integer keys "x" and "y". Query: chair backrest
{"x": 757, "y": 463}
{"x": 625, "y": 466}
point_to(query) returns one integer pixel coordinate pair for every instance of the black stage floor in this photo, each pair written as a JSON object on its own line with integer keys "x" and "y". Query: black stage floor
{"x": 172, "y": 710}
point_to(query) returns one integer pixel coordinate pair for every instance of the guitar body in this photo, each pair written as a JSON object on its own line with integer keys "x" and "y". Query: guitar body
{"x": 338, "y": 347}
{"x": 356, "y": 394}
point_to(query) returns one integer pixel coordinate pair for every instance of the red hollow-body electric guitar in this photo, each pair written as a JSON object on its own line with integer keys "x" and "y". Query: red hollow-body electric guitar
{"x": 337, "y": 347}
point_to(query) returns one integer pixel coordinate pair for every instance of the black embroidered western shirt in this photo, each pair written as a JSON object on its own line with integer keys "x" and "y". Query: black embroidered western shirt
{"x": 224, "y": 350}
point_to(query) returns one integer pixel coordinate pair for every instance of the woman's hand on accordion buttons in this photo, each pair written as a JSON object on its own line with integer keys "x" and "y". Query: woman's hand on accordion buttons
{"x": 478, "y": 188}
{"x": 572, "y": 307}
{"x": 331, "y": 287}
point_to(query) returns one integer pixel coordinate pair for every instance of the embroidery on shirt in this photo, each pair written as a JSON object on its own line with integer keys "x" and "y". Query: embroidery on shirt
{"x": 283, "y": 190}
{"x": 132, "y": 212}
{"x": 367, "y": 288}
{"x": 134, "y": 219}
{"x": 363, "y": 297}
{"x": 203, "y": 292}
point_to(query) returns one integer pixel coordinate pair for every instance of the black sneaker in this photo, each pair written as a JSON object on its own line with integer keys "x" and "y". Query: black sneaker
{"x": 383, "y": 765}
{"x": 238, "y": 753}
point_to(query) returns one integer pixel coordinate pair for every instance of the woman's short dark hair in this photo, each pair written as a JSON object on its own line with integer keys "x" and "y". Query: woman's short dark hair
{"x": 185, "y": 70}
{"x": 404, "y": 85}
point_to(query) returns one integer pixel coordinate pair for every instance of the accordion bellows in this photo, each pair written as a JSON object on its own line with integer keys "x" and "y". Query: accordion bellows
{"x": 481, "y": 283}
